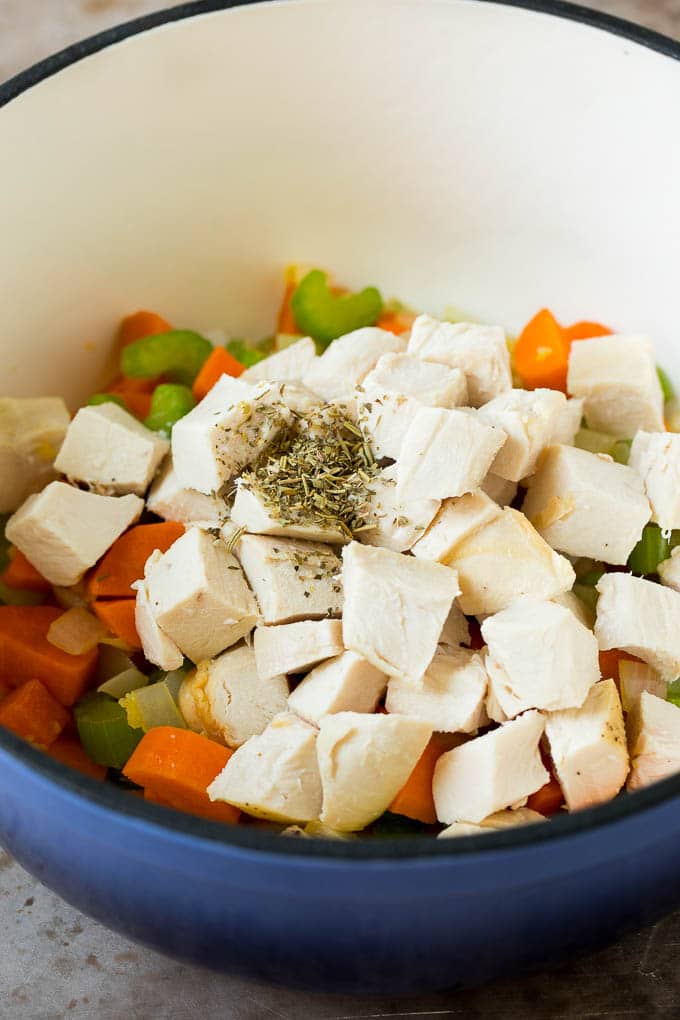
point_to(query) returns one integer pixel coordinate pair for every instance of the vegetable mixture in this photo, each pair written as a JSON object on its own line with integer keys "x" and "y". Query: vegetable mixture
{"x": 376, "y": 573}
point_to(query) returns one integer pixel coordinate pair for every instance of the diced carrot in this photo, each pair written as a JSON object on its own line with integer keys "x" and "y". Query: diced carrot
{"x": 21, "y": 574}
{"x": 285, "y": 322}
{"x": 176, "y": 767}
{"x": 396, "y": 322}
{"x": 476, "y": 640}
{"x": 118, "y": 616}
{"x": 609, "y": 662}
{"x": 31, "y": 712}
{"x": 140, "y": 324}
{"x": 124, "y": 562}
{"x": 542, "y": 353}
{"x": 586, "y": 331}
{"x": 548, "y": 800}
{"x": 69, "y": 751}
{"x": 26, "y": 654}
{"x": 219, "y": 362}
{"x": 415, "y": 799}
{"x": 135, "y": 393}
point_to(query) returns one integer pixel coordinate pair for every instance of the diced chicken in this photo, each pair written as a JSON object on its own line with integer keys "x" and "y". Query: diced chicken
{"x": 480, "y": 352}
{"x": 296, "y": 647}
{"x": 32, "y": 430}
{"x": 346, "y": 683}
{"x": 158, "y": 648}
{"x": 640, "y": 617}
{"x": 654, "y": 741}
{"x": 275, "y": 774}
{"x": 655, "y": 456}
{"x": 395, "y": 524}
{"x": 490, "y": 773}
{"x": 568, "y": 423}
{"x": 617, "y": 377}
{"x": 636, "y": 677}
{"x": 455, "y": 631}
{"x": 199, "y": 596}
{"x": 669, "y": 570}
{"x": 540, "y": 656}
{"x": 289, "y": 364}
{"x": 503, "y": 560}
{"x": 110, "y": 451}
{"x": 299, "y": 398}
{"x": 364, "y": 762}
{"x": 292, "y": 580}
{"x": 431, "y": 384}
{"x": 494, "y": 823}
{"x": 500, "y": 490}
{"x": 395, "y": 608}
{"x": 385, "y": 418}
{"x": 63, "y": 531}
{"x": 529, "y": 420}
{"x": 348, "y": 360}
{"x": 585, "y": 504}
{"x": 230, "y": 427}
{"x": 457, "y": 519}
{"x": 581, "y": 611}
{"x": 493, "y": 707}
{"x": 251, "y": 512}
{"x": 445, "y": 453}
{"x": 450, "y": 696}
{"x": 168, "y": 499}
{"x": 588, "y": 748}
{"x": 229, "y": 700}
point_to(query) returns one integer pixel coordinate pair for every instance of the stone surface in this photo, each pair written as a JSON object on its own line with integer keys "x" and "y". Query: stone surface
{"x": 56, "y": 964}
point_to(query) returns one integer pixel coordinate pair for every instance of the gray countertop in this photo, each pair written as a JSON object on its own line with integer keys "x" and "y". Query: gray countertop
{"x": 56, "y": 963}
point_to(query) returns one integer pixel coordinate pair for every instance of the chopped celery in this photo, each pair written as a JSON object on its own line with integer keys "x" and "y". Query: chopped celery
{"x": 587, "y": 594}
{"x": 169, "y": 403}
{"x": 107, "y": 398}
{"x": 111, "y": 662}
{"x": 179, "y": 355}
{"x": 621, "y": 450}
{"x": 594, "y": 442}
{"x": 326, "y": 316}
{"x": 104, "y": 730}
{"x": 118, "y": 686}
{"x": 591, "y": 578}
{"x": 652, "y": 549}
{"x": 152, "y": 706}
{"x": 243, "y": 352}
{"x": 174, "y": 679}
{"x": 673, "y": 692}
{"x": 667, "y": 387}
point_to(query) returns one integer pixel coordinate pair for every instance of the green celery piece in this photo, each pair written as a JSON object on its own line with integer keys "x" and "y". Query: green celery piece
{"x": 179, "y": 355}
{"x": 152, "y": 706}
{"x": 591, "y": 579}
{"x": 594, "y": 442}
{"x": 325, "y": 316}
{"x": 674, "y": 687}
{"x": 243, "y": 352}
{"x": 621, "y": 450}
{"x": 667, "y": 387}
{"x": 111, "y": 662}
{"x": 174, "y": 679}
{"x": 118, "y": 686}
{"x": 587, "y": 594}
{"x": 104, "y": 730}
{"x": 106, "y": 398}
{"x": 169, "y": 403}
{"x": 651, "y": 550}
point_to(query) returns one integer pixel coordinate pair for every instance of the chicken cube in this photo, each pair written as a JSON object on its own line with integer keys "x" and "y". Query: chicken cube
{"x": 654, "y": 741}
{"x": 455, "y": 631}
{"x": 642, "y": 618}
{"x": 292, "y": 580}
{"x": 494, "y": 823}
{"x": 581, "y": 611}
{"x": 364, "y": 761}
{"x": 588, "y": 748}
{"x": 669, "y": 570}
{"x": 431, "y": 384}
{"x": 500, "y": 490}
{"x": 480, "y": 352}
{"x": 385, "y": 418}
{"x": 250, "y": 511}
{"x": 490, "y": 773}
{"x": 540, "y": 656}
{"x": 296, "y": 647}
{"x": 395, "y": 608}
{"x": 617, "y": 377}
{"x": 230, "y": 427}
{"x": 348, "y": 360}
{"x": 529, "y": 420}
{"x": 168, "y": 499}
{"x": 568, "y": 422}
{"x": 63, "y": 531}
{"x": 110, "y": 451}
{"x": 275, "y": 774}
{"x": 503, "y": 560}
{"x": 392, "y": 523}
{"x": 291, "y": 363}
{"x": 158, "y": 648}
{"x": 450, "y": 696}
{"x": 655, "y": 456}
{"x": 585, "y": 504}
{"x": 32, "y": 430}
{"x": 457, "y": 519}
{"x": 445, "y": 453}
{"x": 199, "y": 596}
{"x": 346, "y": 683}
{"x": 228, "y": 699}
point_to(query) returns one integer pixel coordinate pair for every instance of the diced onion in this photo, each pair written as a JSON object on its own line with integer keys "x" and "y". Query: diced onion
{"x": 118, "y": 686}
{"x": 76, "y": 631}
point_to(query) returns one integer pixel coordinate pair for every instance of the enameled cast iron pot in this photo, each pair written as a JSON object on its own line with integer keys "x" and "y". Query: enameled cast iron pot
{"x": 499, "y": 156}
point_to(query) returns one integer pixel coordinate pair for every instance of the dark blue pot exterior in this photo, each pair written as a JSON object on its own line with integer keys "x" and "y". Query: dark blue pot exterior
{"x": 383, "y": 924}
